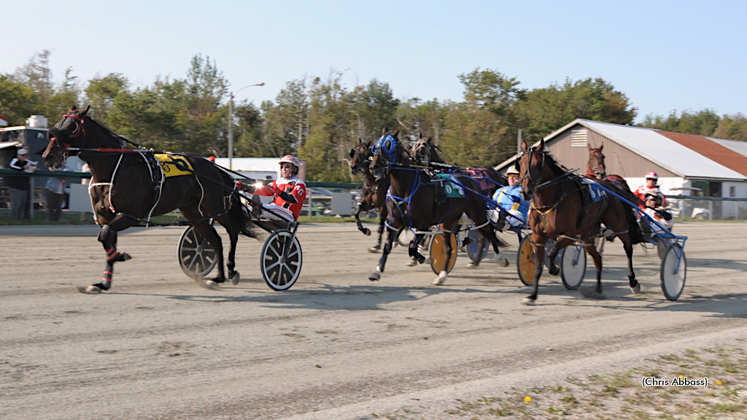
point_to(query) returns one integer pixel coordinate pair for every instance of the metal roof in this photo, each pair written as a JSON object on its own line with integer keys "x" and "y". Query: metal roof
{"x": 655, "y": 146}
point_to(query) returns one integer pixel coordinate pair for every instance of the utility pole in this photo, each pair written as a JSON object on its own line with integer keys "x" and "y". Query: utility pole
{"x": 230, "y": 123}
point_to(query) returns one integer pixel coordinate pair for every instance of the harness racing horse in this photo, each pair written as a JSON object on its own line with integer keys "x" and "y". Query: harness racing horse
{"x": 560, "y": 211}
{"x": 374, "y": 192}
{"x": 596, "y": 167}
{"x": 414, "y": 200}
{"x": 488, "y": 179}
{"x": 128, "y": 187}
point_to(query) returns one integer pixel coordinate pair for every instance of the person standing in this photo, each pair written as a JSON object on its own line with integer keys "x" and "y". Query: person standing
{"x": 19, "y": 185}
{"x": 55, "y": 192}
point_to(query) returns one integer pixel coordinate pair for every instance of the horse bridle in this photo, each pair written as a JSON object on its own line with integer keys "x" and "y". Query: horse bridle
{"x": 75, "y": 133}
{"x": 600, "y": 162}
{"x": 535, "y": 184}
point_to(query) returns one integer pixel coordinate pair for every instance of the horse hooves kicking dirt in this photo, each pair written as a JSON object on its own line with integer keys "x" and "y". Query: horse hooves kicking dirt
{"x": 89, "y": 290}
{"x": 441, "y": 278}
{"x": 235, "y": 278}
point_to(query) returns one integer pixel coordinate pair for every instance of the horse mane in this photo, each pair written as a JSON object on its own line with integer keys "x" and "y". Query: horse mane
{"x": 122, "y": 140}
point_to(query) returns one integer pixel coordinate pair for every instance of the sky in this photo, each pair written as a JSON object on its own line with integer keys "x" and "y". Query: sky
{"x": 663, "y": 55}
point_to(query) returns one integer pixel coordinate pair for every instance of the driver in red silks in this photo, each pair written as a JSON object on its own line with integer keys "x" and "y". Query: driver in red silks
{"x": 289, "y": 192}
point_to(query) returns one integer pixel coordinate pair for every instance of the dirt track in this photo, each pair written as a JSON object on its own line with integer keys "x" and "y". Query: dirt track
{"x": 336, "y": 345}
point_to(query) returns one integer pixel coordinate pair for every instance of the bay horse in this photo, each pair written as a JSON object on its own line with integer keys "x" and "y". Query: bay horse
{"x": 596, "y": 168}
{"x": 128, "y": 187}
{"x": 566, "y": 209}
{"x": 374, "y": 191}
{"x": 414, "y": 200}
{"x": 424, "y": 151}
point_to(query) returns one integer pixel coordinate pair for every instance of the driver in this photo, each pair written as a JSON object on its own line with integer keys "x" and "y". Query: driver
{"x": 509, "y": 199}
{"x": 289, "y": 192}
{"x": 651, "y": 188}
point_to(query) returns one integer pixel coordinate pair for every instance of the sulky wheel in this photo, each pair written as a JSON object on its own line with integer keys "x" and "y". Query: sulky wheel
{"x": 525, "y": 261}
{"x": 673, "y": 272}
{"x": 438, "y": 253}
{"x": 572, "y": 266}
{"x": 196, "y": 256}
{"x": 281, "y": 260}
{"x": 473, "y": 248}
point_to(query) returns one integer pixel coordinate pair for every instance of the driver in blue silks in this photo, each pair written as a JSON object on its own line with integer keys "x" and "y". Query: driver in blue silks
{"x": 509, "y": 199}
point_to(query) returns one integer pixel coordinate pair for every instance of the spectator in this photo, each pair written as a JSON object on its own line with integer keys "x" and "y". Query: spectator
{"x": 55, "y": 192}
{"x": 19, "y": 185}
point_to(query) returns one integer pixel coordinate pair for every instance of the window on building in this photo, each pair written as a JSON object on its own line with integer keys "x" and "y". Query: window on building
{"x": 732, "y": 191}
{"x": 579, "y": 138}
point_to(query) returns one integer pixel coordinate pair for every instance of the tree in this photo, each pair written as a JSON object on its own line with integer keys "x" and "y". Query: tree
{"x": 18, "y": 100}
{"x": 100, "y": 94}
{"x": 732, "y": 127}
{"x": 374, "y": 107}
{"x": 703, "y": 122}
{"x": 543, "y": 111}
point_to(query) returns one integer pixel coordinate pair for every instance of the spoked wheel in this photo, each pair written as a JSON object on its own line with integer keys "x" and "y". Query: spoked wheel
{"x": 438, "y": 253}
{"x": 476, "y": 254}
{"x": 525, "y": 261}
{"x": 281, "y": 260}
{"x": 196, "y": 256}
{"x": 573, "y": 266}
{"x": 673, "y": 272}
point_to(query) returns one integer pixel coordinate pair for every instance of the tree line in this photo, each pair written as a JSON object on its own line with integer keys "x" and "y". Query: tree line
{"x": 319, "y": 120}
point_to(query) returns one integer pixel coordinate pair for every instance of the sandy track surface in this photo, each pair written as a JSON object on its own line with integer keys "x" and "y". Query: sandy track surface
{"x": 335, "y": 345}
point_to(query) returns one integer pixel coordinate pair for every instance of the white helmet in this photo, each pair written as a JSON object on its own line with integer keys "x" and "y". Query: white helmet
{"x": 293, "y": 161}
{"x": 512, "y": 171}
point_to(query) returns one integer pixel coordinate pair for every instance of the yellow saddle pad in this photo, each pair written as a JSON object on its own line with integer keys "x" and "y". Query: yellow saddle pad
{"x": 173, "y": 165}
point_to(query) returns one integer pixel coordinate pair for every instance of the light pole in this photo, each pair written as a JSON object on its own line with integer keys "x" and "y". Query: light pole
{"x": 230, "y": 123}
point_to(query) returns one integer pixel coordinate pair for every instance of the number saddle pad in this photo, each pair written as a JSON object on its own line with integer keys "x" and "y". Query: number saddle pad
{"x": 173, "y": 165}
{"x": 452, "y": 187}
{"x": 596, "y": 192}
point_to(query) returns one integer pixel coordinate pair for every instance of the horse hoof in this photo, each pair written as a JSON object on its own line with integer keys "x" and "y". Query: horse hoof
{"x": 126, "y": 256}
{"x": 440, "y": 279}
{"x": 90, "y": 290}
{"x": 503, "y": 262}
{"x": 209, "y": 284}
{"x": 472, "y": 265}
{"x": 375, "y": 276}
{"x": 428, "y": 260}
{"x": 636, "y": 289}
{"x": 235, "y": 278}
{"x": 374, "y": 249}
{"x": 528, "y": 301}
{"x": 413, "y": 262}
{"x": 367, "y": 232}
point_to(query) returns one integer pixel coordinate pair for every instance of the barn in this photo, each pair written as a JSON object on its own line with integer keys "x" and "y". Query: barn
{"x": 687, "y": 164}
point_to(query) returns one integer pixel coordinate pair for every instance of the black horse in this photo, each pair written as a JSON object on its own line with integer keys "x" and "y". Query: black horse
{"x": 128, "y": 187}
{"x": 416, "y": 200}
{"x": 374, "y": 192}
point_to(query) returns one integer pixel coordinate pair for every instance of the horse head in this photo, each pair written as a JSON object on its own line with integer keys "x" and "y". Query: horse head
{"x": 360, "y": 157}
{"x": 596, "y": 166}
{"x": 387, "y": 151}
{"x": 424, "y": 151}
{"x": 531, "y": 165}
{"x": 65, "y": 137}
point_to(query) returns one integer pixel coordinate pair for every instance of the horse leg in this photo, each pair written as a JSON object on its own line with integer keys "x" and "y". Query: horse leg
{"x": 233, "y": 275}
{"x": 553, "y": 268}
{"x": 414, "y": 252}
{"x": 635, "y": 287}
{"x": 358, "y": 209}
{"x": 488, "y": 232}
{"x": 376, "y": 275}
{"x": 480, "y": 244}
{"x": 108, "y": 238}
{"x": 208, "y": 232}
{"x": 539, "y": 257}
{"x": 380, "y": 231}
{"x": 597, "y": 257}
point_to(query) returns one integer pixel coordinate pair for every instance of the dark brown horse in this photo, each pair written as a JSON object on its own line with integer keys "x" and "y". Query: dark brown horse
{"x": 566, "y": 209}
{"x": 596, "y": 168}
{"x": 128, "y": 187}
{"x": 424, "y": 151}
{"x": 415, "y": 201}
{"x": 374, "y": 192}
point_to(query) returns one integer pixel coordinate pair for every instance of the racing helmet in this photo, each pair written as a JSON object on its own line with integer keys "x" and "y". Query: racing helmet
{"x": 293, "y": 161}
{"x": 652, "y": 175}
{"x": 512, "y": 171}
